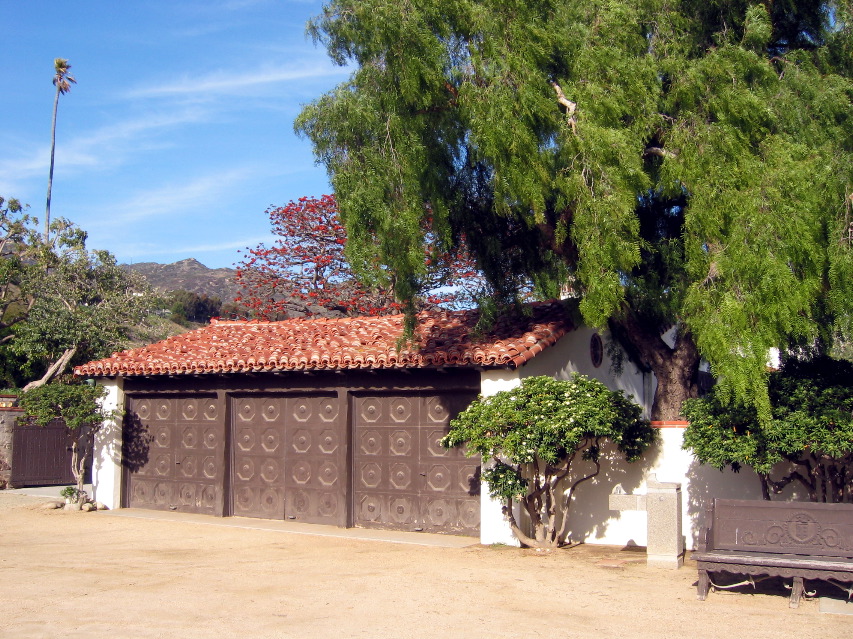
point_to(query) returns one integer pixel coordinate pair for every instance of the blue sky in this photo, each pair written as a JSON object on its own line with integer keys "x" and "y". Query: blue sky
{"x": 179, "y": 132}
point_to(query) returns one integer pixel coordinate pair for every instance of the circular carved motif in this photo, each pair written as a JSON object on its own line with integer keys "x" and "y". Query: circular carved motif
{"x": 328, "y": 441}
{"x": 270, "y": 502}
{"x": 803, "y": 528}
{"x": 370, "y": 508}
{"x": 143, "y": 409}
{"x": 469, "y": 479}
{"x": 141, "y": 491}
{"x": 210, "y": 438}
{"x": 189, "y": 409}
{"x": 210, "y": 410}
{"x": 438, "y": 478}
{"x": 328, "y": 505}
{"x": 439, "y": 512}
{"x": 328, "y": 474}
{"x": 401, "y": 409}
{"x": 301, "y": 440}
{"x": 270, "y": 440}
{"x": 163, "y": 409}
{"x": 163, "y": 465}
{"x": 371, "y": 442}
{"x": 436, "y": 410}
{"x": 371, "y": 410}
{"x": 401, "y": 509}
{"x": 163, "y": 436}
{"x": 209, "y": 467}
{"x": 371, "y": 475}
{"x": 469, "y": 513}
{"x": 189, "y": 437}
{"x": 208, "y": 497}
{"x": 161, "y": 493}
{"x": 270, "y": 410}
{"x": 300, "y": 502}
{"x": 246, "y": 469}
{"x": 302, "y": 410}
{"x": 188, "y": 494}
{"x": 247, "y": 410}
{"x": 246, "y": 439}
{"x": 270, "y": 470}
{"x": 301, "y": 472}
{"x": 401, "y": 442}
{"x": 434, "y": 446}
{"x": 245, "y": 499}
{"x": 328, "y": 409}
{"x": 188, "y": 466}
{"x": 401, "y": 476}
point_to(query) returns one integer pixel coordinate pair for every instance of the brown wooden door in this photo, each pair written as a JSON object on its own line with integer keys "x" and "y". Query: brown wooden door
{"x": 289, "y": 459}
{"x": 403, "y": 479}
{"x": 174, "y": 451}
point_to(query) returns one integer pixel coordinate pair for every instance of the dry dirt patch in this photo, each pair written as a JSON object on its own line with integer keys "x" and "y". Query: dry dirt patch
{"x": 101, "y": 575}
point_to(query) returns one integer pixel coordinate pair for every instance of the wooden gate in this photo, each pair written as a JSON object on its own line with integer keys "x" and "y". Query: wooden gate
{"x": 41, "y": 455}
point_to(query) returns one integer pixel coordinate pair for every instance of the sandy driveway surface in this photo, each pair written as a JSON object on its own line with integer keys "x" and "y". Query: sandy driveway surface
{"x": 109, "y": 575}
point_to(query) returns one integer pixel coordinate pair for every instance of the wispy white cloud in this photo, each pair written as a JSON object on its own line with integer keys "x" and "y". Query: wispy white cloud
{"x": 228, "y": 83}
{"x": 175, "y": 199}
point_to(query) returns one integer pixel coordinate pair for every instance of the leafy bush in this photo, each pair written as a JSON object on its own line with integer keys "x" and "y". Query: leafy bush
{"x": 529, "y": 436}
{"x": 811, "y": 428}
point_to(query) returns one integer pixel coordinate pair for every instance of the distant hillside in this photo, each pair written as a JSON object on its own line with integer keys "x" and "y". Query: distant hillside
{"x": 189, "y": 275}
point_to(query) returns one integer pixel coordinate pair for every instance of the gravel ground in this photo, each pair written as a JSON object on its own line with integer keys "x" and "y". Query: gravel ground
{"x": 75, "y": 574}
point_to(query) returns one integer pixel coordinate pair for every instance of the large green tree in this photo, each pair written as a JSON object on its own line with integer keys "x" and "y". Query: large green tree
{"x": 677, "y": 165}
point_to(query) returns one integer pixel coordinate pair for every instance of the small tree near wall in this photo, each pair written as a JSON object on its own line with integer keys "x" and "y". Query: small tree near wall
{"x": 533, "y": 436}
{"x": 79, "y": 405}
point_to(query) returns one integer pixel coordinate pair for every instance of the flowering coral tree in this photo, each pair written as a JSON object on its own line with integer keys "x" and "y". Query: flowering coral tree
{"x": 531, "y": 438}
{"x": 308, "y": 270}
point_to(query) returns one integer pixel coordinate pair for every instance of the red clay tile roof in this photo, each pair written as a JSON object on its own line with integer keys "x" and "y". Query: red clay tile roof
{"x": 444, "y": 338}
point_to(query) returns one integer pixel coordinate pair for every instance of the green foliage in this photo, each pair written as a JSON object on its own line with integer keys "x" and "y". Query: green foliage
{"x": 675, "y": 163}
{"x": 530, "y": 435}
{"x": 811, "y": 427}
{"x": 76, "y": 403}
{"x": 188, "y": 306}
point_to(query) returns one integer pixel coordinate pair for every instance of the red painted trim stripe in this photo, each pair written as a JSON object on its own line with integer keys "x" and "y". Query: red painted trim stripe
{"x": 675, "y": 423}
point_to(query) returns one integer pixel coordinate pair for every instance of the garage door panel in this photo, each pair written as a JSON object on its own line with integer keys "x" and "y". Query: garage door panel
{"x": 177, "y": 454}
{"x": 402, "y": 477}
{"x": 314, "y": 454}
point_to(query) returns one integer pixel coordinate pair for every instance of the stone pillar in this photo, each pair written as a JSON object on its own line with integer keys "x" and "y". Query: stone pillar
{"x": 665, "y": 545}
{"x": 106, "y": 459}
{"x": 8, "y": 417}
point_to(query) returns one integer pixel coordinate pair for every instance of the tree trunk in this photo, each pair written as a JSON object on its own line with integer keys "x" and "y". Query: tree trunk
{"x": 675, "y": 367}
{"x": 50, "y": 174}
{"x": 55, "y": 369}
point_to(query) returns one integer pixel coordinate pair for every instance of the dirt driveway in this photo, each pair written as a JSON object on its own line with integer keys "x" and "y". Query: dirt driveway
{"x": 110, "y": 575}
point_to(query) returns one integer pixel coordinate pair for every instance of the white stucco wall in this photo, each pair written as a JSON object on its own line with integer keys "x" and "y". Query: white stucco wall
{"x": 106, "y": 461}
{"x": 591, "y": 517}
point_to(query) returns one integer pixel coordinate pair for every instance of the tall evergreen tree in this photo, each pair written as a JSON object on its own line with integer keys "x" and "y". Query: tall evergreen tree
{"x": 678, "y": 165}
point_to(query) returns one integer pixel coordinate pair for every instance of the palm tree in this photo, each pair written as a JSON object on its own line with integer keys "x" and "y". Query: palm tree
{"x": 62, "y": 80}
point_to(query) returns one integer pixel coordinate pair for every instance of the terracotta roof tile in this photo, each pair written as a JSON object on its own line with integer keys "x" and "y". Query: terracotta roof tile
{"x": 442, "y": 338}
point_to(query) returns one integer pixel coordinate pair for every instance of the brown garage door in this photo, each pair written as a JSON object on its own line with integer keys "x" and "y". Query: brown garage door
{"x": 174, "y": 451}
{"x": 289, "y": 459}
{"x": 403, "y": 478}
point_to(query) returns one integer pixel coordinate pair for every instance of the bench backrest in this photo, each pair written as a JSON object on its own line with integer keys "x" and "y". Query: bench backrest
{"x": 798, "y": 528}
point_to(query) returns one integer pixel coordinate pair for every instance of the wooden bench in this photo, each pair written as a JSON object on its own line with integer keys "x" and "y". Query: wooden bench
{"x": 799, "y": 540}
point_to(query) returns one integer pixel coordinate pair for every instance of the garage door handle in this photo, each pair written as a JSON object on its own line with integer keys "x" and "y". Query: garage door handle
{"x": 423, "y": 474}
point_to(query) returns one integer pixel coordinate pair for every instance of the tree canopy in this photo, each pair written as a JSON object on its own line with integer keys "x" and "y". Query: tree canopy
{"x": 674, "y": 164}
{"x": 309, "y": 272}
{"x": 533, "y": 439}
{"x": 811, "y": 429}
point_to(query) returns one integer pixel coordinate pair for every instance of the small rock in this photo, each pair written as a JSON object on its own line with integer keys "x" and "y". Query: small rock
{"x": 52, "y": 505}
{"x": 72, "y": 506}
{"x": 88, "y": 507}
{"x": 100, "y": 506}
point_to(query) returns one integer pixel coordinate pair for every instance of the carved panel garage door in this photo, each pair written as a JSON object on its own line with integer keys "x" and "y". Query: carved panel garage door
{"x": 289, "y": 459}
{"x": 174, "y": 451}
{"x": 403, "y": 479}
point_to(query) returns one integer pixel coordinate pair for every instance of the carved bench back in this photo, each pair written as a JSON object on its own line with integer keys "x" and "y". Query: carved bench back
{"x": 799, "y": 528}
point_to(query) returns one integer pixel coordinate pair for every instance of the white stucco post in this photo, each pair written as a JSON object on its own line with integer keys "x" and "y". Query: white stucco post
{"x": 106, "y": 457}
{"x": 494, "y": 528}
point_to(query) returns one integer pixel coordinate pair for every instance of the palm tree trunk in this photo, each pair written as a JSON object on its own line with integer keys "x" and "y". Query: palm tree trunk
{"x": 50, "y": 175}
